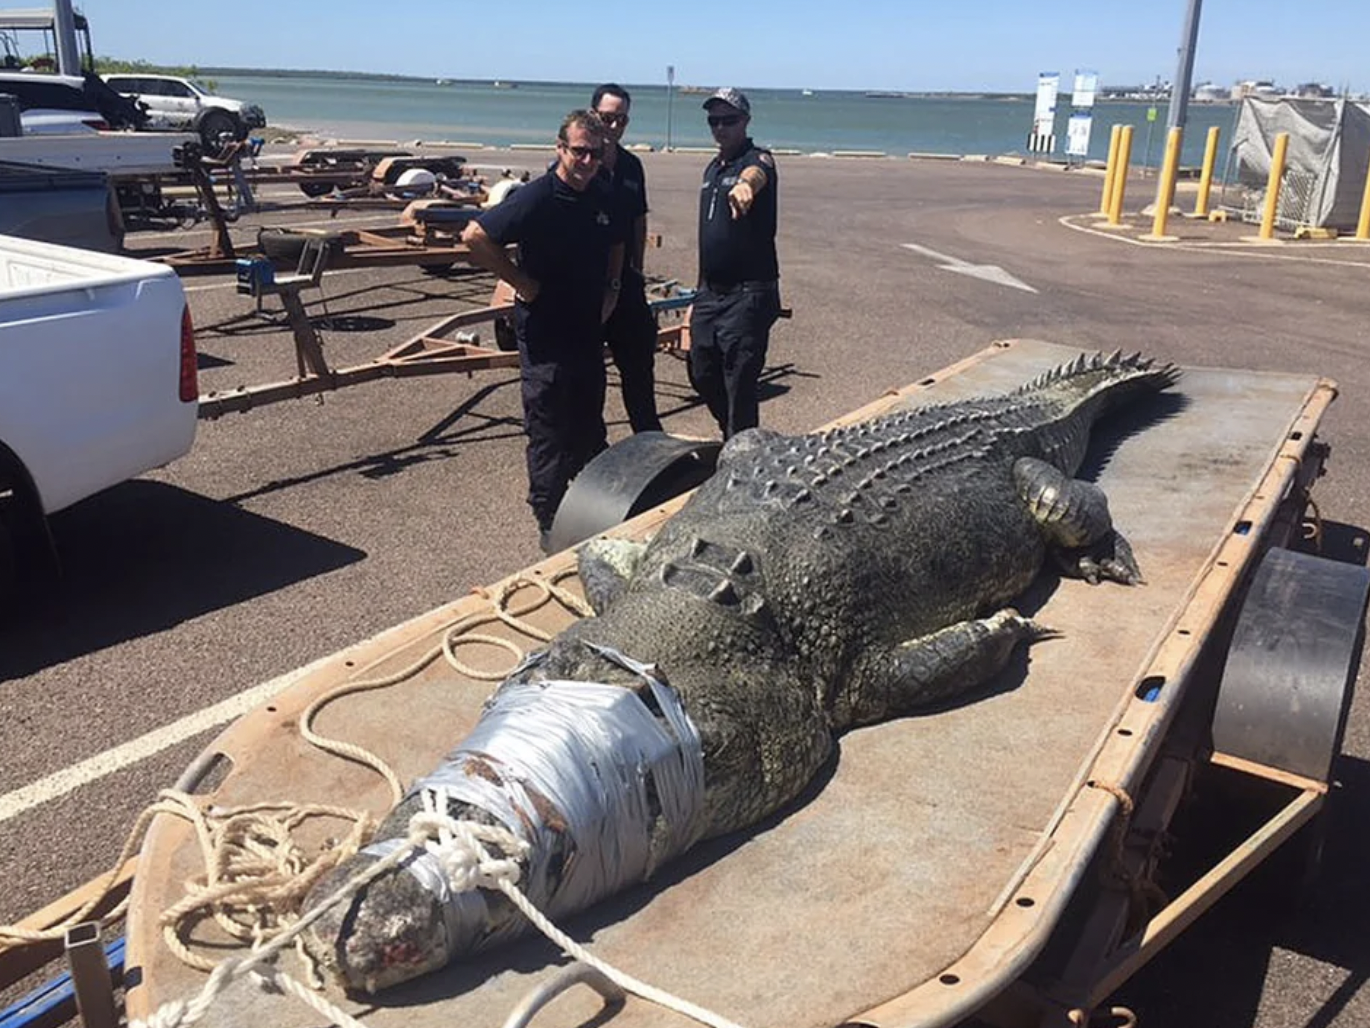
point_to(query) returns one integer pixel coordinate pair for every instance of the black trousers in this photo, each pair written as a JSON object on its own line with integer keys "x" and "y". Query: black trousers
{"x": 631, "y": 335}
{"x": 730, "y": 328}
{"x": 563, "y": 406}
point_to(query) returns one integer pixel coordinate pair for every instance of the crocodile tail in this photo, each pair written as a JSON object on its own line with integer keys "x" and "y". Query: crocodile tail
{"x": 1080, "y": 391}
{"x": 1099, "y": 380}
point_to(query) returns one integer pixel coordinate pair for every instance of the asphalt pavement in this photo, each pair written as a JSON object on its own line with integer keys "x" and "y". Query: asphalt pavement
{"x": 295, "y": 529}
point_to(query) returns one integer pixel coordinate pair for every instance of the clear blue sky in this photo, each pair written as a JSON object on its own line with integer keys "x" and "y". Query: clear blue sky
{"x": 997, "y": 45}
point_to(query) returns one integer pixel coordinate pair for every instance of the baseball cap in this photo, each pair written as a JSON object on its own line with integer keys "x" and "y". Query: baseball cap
{"x": 732, "y": 97}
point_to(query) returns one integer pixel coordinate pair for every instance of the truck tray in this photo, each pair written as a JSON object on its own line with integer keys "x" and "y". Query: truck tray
{"x": 924, "y": 874}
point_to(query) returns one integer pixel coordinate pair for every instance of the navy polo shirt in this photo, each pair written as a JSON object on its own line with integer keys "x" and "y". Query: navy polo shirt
{"x": 563, "y": 238}
{"x": 742, "y": 249}
{"x": 628, "y": 183}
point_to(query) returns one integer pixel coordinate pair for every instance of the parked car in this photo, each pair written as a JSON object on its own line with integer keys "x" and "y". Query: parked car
{"x": 65, "y": 104}
{"x": 180, "y": 104}
{"x": 60, "y": 205}
{"x": 97, "y": 385}
{"x": 51, "y": 104}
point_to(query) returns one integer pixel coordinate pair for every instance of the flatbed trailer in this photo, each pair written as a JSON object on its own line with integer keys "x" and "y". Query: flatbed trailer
{"x": 950, "y": 866}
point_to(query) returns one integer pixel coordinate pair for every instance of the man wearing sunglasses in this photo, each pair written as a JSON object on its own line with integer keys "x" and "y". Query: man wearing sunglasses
{"x": 566, "y": 281}
{"x": 739, "y": 276}
{"x": 631, "y": 330}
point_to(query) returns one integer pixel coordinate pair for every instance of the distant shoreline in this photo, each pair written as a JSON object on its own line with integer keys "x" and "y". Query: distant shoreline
{"x": 870, "y": 94}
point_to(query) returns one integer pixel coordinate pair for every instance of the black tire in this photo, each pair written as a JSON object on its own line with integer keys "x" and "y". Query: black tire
{"x": 437, "y": 269}
{"x": 215, "y": 123}
{"x": 505, "y": 338}
{"x": 316, "y": 188}
{"x": 9, "y": 572}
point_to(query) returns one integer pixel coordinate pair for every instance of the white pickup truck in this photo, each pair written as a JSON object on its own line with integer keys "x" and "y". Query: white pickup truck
{"x": 97, "y": 383}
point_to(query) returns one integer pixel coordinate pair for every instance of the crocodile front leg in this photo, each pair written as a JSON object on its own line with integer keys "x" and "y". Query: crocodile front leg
{"x": 935, "y": 667}
{"x": 1074, "y": 519}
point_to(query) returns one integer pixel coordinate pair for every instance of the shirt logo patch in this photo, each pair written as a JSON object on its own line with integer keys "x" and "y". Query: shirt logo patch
{"x": 601, "y": 218}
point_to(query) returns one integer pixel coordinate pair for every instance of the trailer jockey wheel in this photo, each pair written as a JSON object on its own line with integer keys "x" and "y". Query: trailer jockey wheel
{"x": 505, "y": 337}
{"x": 631, "y": 476}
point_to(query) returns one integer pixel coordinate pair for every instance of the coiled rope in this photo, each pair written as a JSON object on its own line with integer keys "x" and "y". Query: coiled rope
{"x": 257, "y": 873}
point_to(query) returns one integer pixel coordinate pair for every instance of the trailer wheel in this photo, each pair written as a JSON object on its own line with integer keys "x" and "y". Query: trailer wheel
{"x": 1292, "y": 664}
{"x": 628, "y": 478}
{"x": 506, "y": 339}
{"x": 316, "y": 188}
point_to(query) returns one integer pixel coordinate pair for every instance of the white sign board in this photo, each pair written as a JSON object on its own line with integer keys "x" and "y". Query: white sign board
{"x": 1043, "y": 136}
{"x": 1044, "y": 118}
{"x": 1086, "y": 86}
{"x": 1077, "y": 134}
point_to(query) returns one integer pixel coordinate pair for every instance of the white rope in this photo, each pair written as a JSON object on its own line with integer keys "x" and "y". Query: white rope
{"x": 460, "y": 847}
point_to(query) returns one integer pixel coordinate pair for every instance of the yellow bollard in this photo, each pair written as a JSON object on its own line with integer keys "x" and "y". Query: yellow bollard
{"x": 1363, "y": 226}
{"x": 1272, "y": 186}
{"x": 1165, "y": 188}
{"x": 1115, "y": 199}
{"x": 1206, "y": 176}
{"x": 1113, "y": 138}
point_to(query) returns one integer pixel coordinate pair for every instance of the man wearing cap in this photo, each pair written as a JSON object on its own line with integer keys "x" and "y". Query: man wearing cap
{"x": 739, "y": 289}
{"x": 631, "y": 330}
{"x": 566, "y": 280}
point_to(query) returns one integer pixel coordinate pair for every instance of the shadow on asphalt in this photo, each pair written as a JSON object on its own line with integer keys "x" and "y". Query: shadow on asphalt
{"x": 144, "y": 556}
{"x": 1215, "y": 973}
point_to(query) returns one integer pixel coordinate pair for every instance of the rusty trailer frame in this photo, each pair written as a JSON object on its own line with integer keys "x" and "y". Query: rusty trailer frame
{"x": 446, "y": 347}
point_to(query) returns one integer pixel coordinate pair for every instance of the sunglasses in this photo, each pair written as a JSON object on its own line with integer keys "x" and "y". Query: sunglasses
{"x": 612, "y": 119}
{"x": 595, "y": 153}
{"x": 715, "y": 120}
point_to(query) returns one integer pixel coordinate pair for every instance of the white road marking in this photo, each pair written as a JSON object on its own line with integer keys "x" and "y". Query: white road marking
{"x": 59, "y": 783}
{"x": 987, "y": 272}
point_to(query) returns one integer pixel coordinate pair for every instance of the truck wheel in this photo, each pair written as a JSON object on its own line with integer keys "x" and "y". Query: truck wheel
{"x": 628, "y": 478}
{"x": 316, "y": 188}
{"x": 9, "y": 573}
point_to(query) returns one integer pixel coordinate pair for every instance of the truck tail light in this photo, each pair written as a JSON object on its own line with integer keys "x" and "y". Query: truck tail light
{"x": 190, "y": 385}
{"x": 98, "y": 124}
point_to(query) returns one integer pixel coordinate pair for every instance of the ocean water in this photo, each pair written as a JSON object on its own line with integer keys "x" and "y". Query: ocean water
{"x": 821, "y": 121}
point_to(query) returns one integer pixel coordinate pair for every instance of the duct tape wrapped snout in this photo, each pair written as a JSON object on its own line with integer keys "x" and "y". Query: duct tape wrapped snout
{"x": 600, "y": 783}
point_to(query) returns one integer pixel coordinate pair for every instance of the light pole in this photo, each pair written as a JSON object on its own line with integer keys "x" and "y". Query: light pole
{"x": 1179, "y": 106}
{"x": 670, "y": 91}
{"x": 64, "y": 29}
{"x": 1184, "y": 72}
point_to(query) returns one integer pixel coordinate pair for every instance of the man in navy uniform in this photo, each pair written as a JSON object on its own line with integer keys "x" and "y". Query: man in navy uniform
{"x": 739, "y": 288}
{"x": 566, "y": 281}
{"x": 631, "y": 330}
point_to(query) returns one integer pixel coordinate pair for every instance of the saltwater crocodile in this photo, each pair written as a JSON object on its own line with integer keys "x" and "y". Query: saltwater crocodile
{"x": 813, "y": 584}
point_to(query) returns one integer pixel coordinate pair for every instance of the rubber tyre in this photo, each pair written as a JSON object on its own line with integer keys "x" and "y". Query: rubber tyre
{"x": 506, "y": 339}
{"x": 316, "y": 188}
{"x": 9, "y": 573}
{"x": 215, "y": 123}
